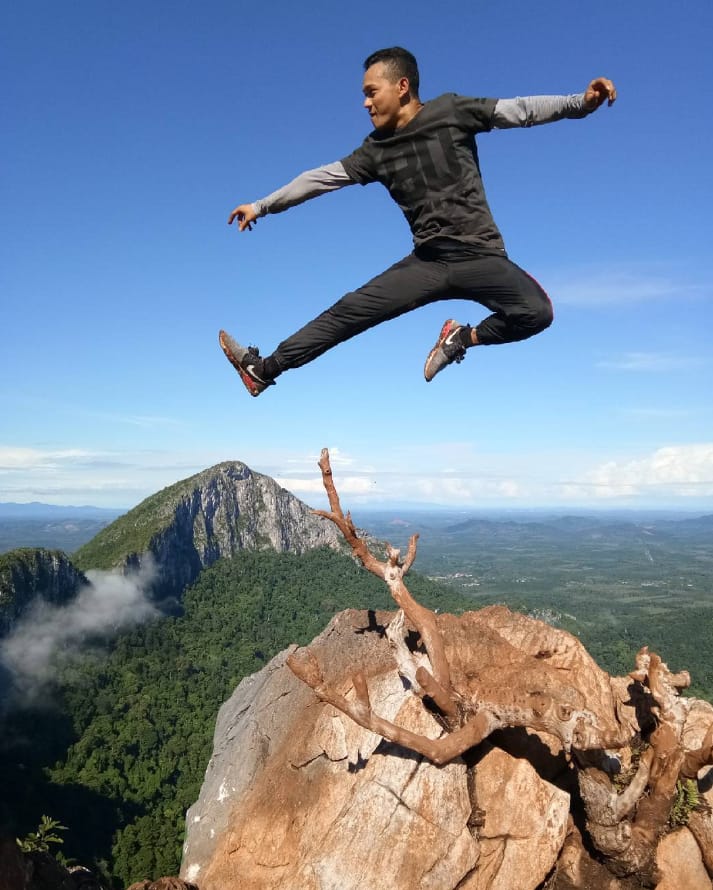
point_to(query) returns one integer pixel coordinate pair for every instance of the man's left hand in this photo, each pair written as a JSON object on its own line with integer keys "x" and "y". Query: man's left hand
{"x": 601, "y": 89}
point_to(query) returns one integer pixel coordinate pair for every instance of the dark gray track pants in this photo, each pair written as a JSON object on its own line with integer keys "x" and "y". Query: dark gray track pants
{"x": 520, "y": 307}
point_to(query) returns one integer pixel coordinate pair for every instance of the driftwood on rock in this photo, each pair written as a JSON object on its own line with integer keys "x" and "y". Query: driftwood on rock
{"x": 630, "y": 742}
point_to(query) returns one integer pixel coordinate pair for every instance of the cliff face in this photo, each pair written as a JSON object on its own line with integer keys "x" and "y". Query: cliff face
{"x": 202, "y": 519}
{"x": 29, "y": 573}
{"x": 296, "y": 794}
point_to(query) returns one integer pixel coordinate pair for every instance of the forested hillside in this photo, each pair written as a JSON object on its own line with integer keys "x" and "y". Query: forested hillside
{"x": 616, "y": 582}
{"x": 122, "y": 752}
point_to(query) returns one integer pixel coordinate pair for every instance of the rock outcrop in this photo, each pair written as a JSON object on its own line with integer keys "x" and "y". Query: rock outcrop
{"x": 211, "y": 515}
{"x": 426, "y": 751}
{"x": 29, "y": 573}
{"x": 298, "y": 795}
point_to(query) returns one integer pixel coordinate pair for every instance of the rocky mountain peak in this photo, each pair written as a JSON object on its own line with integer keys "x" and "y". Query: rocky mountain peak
{"x": 214, "y": 514}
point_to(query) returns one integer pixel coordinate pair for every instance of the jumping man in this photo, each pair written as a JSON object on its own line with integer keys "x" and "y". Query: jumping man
{"x": 425, "y": 155}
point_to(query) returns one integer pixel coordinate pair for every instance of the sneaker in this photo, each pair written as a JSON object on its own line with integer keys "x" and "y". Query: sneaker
{"x": 449, "y": 348}
{"x": 247, "y": 363}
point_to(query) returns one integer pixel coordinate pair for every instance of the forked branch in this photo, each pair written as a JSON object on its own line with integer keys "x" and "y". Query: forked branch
{"x": 391, "y": 571}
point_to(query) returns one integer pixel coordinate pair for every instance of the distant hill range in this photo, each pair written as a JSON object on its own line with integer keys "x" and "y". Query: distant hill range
{"x": 36, "y": 510}
{"x": 439, "y": 529}
{"x": 50, "y": 526}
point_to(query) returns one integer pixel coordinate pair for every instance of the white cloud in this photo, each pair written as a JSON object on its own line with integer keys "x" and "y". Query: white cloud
{"x": 406, "y": 482}
{"x": 110, "y": 602}
{"x": 100, "y": 478}
{"x": 337, "y": 458}
{"x": 671, "y": 471}
{"x": 347, "y": 485}
{"x": 656, "y": 413}
{"x": 32, "y": 458}
{"x": 661, "y": 477}
{"x": 468, "y": 489}
{"x": 436, "y": 473}
{"x": 595, "y": 287}
{"x": 145, "y": 421}
{"x": 652, "y": 361}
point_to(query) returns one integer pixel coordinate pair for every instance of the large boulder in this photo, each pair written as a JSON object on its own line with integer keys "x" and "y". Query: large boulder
{"x": 297, "y": 795}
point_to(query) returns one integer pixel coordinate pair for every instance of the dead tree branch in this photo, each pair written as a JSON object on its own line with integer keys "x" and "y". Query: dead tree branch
{"x": 392, "y": 572}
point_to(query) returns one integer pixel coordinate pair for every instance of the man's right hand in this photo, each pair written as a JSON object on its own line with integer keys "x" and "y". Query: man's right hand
{"x": 245, "y": 215}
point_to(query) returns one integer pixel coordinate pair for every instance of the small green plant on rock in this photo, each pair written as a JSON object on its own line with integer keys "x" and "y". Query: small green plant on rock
{"x": 39, "y": 841}
{"x": 686, "y": 801}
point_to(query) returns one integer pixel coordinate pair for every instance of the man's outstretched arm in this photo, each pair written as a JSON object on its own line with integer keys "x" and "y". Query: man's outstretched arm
{"x": 307, "y": 185}
{"x": 528, "y": 111}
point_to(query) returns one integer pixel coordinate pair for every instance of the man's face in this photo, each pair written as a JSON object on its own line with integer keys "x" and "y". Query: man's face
{"x": 383, "y": 97}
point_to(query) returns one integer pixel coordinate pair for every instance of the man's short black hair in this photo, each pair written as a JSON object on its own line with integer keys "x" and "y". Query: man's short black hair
{"x": 399, "y": 62}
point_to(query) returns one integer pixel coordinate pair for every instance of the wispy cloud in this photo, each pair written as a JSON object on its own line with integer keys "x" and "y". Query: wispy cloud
{"x": 596, "y": 287}
{"x": 444, "y": 473}
{"x": 662, "y": 476}
{"x": 110, "y": 602}
{"x": 436, "y": 473}
{"x": 101, "y": 478}
{"x": 656, "y": 413}
{"x": 439, "y": 488}
{"x": 337, "y": 457}
{"x": 654, "y": 362}
{"x": 44, "y": 404}
{"x": 33, "y": 458}
{"x": 144, "y": 421}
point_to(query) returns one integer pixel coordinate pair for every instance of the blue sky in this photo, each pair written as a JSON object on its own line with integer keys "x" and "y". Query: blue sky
{"x": 130, "y": 132}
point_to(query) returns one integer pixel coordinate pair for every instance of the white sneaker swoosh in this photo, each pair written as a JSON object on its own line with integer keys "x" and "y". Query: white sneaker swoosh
{"x": 250, "y": 369}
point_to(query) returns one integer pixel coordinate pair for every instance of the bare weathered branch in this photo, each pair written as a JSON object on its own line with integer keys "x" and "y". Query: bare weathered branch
{"x": 410, "y": 553}
{"x": 391, "y": 571}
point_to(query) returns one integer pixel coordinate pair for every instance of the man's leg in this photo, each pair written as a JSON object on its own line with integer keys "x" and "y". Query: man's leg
{"x": 520, "y": 308}
{"x": 408, "y": 284}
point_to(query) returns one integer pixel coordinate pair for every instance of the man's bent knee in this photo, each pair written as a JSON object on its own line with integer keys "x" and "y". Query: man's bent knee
{"x": 543, "y": 317}
{"x": 531, "y": 321}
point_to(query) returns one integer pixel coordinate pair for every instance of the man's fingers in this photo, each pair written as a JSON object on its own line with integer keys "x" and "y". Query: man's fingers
{"x": 245, "y": 216}
{"x": 601, "y": 89}
{"x": 606, "y": 88}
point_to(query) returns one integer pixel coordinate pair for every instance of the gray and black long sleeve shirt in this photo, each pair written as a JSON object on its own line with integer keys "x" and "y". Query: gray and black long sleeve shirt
{"x": 430, "y": 166}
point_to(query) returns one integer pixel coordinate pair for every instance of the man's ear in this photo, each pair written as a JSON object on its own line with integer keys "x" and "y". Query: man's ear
{"x": 404, "y": 87}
